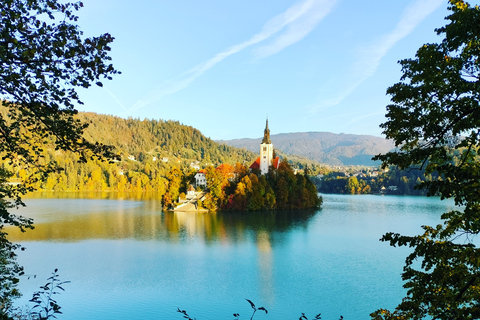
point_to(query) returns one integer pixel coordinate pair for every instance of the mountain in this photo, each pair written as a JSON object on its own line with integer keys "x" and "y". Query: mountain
{"x": 324, "y": 147}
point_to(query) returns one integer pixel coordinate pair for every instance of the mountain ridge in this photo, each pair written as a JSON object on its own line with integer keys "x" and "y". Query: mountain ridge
{"x": 323, "y": 147}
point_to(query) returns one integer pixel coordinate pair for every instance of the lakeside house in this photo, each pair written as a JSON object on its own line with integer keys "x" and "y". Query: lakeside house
{"x": 200, "y": 179}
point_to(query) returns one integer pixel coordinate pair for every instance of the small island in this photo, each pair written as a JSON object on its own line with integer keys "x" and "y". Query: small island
{"x": 267, "y": 184}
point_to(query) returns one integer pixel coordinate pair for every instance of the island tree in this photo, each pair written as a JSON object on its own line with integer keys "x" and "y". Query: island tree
{"x": 252, "y": 191}
{"x": 44, "y": 58}
{"x": 434, "y": 121}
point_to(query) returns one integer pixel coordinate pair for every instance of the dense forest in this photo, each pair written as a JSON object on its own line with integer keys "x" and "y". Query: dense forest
{"x": 147, "y": 150}
{"x": 156, "y": 138}
{"x": 235, "y": 188}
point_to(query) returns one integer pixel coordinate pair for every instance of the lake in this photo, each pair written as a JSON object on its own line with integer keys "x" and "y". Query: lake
{"x": 126, "y": 259}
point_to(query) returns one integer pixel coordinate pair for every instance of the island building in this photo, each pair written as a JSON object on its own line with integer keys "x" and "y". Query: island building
{"x": 190, "y": 192}
{"x": 266, "y": 159}
{"x": 200, "y": 179}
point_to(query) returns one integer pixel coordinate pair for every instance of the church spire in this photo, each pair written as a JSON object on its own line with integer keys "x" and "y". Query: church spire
{"x": 266, "y": 135}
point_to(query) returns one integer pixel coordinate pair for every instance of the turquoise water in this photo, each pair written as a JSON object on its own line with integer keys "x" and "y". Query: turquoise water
{"x": 126, "y": 259}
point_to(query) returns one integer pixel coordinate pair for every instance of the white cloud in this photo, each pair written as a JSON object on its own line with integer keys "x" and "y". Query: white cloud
{"x": 370, "y": 57}
{"x": 314, "y": 12}
{"x": 412, "y": 16}
{"x": 299, "y": 20}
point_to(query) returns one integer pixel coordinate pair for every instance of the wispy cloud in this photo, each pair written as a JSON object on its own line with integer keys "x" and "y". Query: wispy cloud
{"x": 297, "y": 21}
{"x": 314, "y": 12}
{"x": 360, "y": 117}
{"x": 369, "y": 58}
{"x": 110, "y": 93}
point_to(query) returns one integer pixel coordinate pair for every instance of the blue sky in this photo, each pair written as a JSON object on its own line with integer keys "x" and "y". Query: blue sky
{"x": 224, "y": 66}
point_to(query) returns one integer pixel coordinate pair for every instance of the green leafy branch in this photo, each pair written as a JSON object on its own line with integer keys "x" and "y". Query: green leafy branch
{"x": 46, "y": 306}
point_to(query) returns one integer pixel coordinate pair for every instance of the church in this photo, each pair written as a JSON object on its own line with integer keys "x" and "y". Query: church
{"x": 266, "y": 159}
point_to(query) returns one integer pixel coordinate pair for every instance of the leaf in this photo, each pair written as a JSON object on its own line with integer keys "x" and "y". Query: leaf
{"x": 252, "y": 304}
{"x": 262, "y": 308}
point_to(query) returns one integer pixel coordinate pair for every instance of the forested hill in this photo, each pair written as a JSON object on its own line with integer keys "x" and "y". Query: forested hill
{"x": 158, "y": 138}
{"x": 149, "y": 150}
{"x": 324, "y": 147}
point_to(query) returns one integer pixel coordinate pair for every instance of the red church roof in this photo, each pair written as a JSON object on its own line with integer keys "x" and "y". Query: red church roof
{"x": 276, "y": 162}
{"x": 256, "y": 164}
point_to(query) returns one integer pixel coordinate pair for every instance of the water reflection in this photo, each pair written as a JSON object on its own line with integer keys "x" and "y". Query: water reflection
{"x": 105, "y": 217}
{"x": 265, "y": 266}
{"x": 128, "y": 259}
{"x": 110, "y": 195}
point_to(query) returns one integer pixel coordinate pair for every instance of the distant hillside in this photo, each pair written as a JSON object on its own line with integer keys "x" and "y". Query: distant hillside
{"x": 142, "y": 138}
{"x": 324, "y": 147}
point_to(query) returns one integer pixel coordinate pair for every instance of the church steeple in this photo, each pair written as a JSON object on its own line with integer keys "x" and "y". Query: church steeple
{"x": 266, "y": 151}
{"x": 266, "y": 160}
{"x": 266, "y": 135}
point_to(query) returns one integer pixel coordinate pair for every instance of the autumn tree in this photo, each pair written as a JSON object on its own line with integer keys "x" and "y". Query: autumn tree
{"x": 43, "y": 59}
{"x": 215, "y": 183}
{"x": 174, "y": 177}
{"x": 352, "y": 185}
{"x": 434, "y": 121}
{"x": 237, "y": 189}
{"x": 239, "y": 198}
{"x": 239, "y": 171}
{"x": 257, "y": 191}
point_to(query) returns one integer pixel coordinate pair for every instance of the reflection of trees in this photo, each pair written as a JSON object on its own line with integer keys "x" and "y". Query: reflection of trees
{"x": 118, "y": 219}
{"x": 111, "y": 195}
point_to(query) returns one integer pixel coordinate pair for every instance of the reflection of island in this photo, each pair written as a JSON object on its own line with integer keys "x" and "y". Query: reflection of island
{"x": 70, "y": 220}
{"x": 265, "y": 266}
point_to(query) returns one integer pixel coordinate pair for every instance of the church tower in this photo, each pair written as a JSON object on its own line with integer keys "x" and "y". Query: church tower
{"x": 266, "y": 151}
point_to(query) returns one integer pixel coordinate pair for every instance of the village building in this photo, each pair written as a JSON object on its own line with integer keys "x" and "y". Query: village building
{"x": 266, "y": 159}
{"x": 190, "y": 192}
{"x": 200, "y": 179}
{"x": 195, "y": 166}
